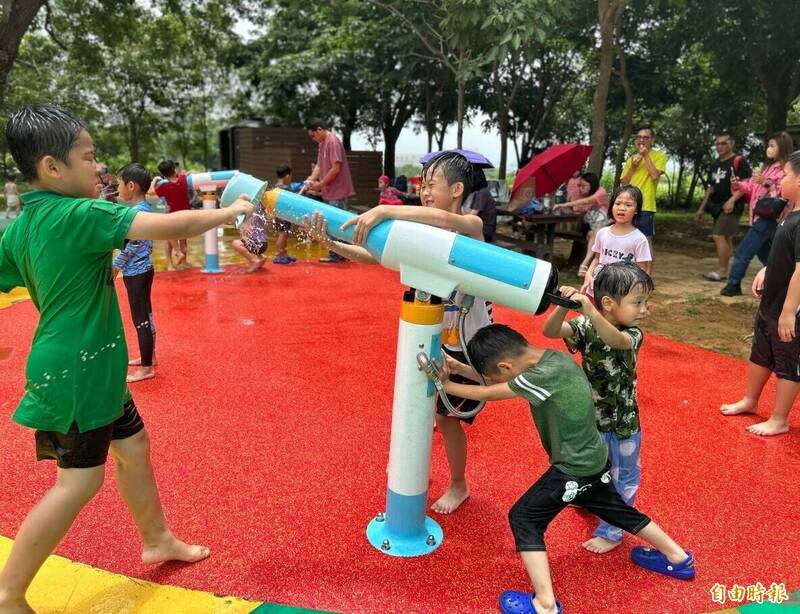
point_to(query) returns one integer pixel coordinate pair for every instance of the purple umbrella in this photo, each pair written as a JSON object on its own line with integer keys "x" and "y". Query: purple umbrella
{"x": 474, "y": 157}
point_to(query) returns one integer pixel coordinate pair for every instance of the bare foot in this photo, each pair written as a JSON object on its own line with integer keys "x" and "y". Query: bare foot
{"x": 743, "y": 406}
{"x": 171, "y": 268}
{"x": 180, "y": 257}
{"x": 768, "y": 427}
{"x": 15, "y": 606}
{"x": 600, "y": 545}
{"x": 140, "y": 374}
{"x": 453, "y": 497}
{"x": 255, "y": 266}
{"x": 174, "y": 549}
{"x": 136, "y": 362}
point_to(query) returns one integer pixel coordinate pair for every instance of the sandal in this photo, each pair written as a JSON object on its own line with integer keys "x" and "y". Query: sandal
{"x": 516, "y": 602}
{"x": 713, "y": 276}
{"x": 655, "y": 561}
{"x": 582, "y": 270}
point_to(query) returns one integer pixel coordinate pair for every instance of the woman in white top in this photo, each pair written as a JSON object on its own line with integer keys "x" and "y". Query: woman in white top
{"x": 621, "y": 241}
{"x": 12, "y": 198}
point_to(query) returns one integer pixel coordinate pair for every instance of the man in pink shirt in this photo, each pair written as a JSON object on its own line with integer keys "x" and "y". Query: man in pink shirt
{"x": 331, "y": 174}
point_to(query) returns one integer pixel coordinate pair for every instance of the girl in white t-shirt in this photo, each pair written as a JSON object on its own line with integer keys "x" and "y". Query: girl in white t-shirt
{"x": 621, "y": 241}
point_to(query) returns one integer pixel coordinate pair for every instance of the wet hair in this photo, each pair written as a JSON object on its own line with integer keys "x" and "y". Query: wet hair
{"x": 785, "y": 145}
{"x": 794, "y": 162}
{"x": 593, "y": 181}
{"x": 282, "y": 170}
{"x": 40, "y": 130}
{"x": 455, "y": 168}
{"x": 618, "y": 279}
{"x": 315, "y": 124}
{"x": 493, "y": 343}
{"x": 728, "y": 134}
{"x": 138, "y": 174}
{"x": 649, "y": 128}
{"x": 167, "y": 168}
{"x": 634, "y": 192}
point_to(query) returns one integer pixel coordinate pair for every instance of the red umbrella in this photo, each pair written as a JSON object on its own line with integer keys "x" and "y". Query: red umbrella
{"x": 547, "y": 171}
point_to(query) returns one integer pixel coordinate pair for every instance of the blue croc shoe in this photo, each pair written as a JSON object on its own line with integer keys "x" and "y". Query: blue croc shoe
{"x": 283, "y": 260}
{"x": 655, "y": 561}
{"x": 515, "y": 602}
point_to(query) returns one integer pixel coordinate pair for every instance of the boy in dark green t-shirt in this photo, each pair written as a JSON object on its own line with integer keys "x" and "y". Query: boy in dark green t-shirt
{"x": 60, "y": 249}
{"x": 563, "y": 411}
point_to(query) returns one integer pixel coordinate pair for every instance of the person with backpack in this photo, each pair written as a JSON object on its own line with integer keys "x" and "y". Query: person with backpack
{"x": 724, "y": 205}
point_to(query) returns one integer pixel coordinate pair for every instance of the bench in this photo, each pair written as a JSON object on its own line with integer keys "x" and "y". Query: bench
{"x": 576, "y": 232}
{"x": 540, "y": 232}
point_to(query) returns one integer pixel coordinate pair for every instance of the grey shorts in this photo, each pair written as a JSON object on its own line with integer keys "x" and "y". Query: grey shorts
{"x": 726, "y": 224}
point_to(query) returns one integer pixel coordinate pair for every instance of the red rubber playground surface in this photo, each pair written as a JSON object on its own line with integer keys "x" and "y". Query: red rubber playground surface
{"x": 270, "y": 418}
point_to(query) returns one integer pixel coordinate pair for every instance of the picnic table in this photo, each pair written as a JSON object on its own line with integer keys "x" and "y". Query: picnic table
{"x": 540, "y": 230}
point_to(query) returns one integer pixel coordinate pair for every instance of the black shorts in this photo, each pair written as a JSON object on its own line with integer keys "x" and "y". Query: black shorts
{"x": 282, "y": 226}
{"x": 75, "y": 450}
{"x": 782, "y": 358}
{"x": 457, "y": 402}
{"x": 530, "y": 516}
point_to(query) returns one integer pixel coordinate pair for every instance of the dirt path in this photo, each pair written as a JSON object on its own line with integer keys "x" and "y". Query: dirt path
{"x": 686, "y": 307}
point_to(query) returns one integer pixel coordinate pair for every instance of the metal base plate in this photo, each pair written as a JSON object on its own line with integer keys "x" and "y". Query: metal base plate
{"x": 382, "y": 539}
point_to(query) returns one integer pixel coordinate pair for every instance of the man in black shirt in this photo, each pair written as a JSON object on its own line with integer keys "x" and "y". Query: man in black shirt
{"x": 724, "y": 206}
{"x": 776, "y": 338}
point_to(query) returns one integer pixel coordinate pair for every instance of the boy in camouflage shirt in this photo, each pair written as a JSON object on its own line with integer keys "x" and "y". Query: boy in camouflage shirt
{"x": 608, "y": 339}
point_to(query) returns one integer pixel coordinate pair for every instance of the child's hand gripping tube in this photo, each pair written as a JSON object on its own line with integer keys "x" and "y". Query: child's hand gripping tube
{"x": 427, "y": 366}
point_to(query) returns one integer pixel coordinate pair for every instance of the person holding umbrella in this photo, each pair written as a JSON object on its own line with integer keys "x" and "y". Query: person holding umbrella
{"x": 546, "y": 172}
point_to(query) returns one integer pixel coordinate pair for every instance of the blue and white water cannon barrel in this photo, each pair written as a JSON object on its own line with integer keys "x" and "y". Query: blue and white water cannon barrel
{"x": 435, "y": 262}
{"x": 208, "y": 184}
{"x": 431, "y": 259}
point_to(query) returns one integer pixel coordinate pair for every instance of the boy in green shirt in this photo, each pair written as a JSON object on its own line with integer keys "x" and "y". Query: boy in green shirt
{"x": 60, "y": 249}
{"x": 563, "y": 412}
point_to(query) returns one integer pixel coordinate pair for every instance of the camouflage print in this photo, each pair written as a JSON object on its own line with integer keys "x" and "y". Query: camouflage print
{"x": 612, "y": 374}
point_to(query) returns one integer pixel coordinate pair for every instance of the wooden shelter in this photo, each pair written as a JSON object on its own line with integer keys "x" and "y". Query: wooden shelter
{"x": 254, "y": 147}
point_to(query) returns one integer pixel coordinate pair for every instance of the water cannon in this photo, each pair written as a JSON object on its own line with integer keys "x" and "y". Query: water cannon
{"x": 206, "y": 182}
{"x": 210, "y": 181}
{"x": 434, "y": 262}
{"x": 430, "y": 259}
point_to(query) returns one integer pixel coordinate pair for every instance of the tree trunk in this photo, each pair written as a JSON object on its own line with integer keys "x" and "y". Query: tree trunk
{"x": 462, "y": 86}
{"x": 503, "y": 129}
{"x": 777, "y": 111}
{"x": 606, "y": 11}
{"x": 133, "y": 140}
{"x": 430, "y": 122}
{"x": 346, "y": 134}
{"x": 15, "y": 18}
{"x": 440, "y": 134}
{"x": 692, "y": 186}
{"x": 626, "y": 132}
{"x": 676, "y": 196}
{"x": 389, "y": 143}
{"x": 206, "y": 161}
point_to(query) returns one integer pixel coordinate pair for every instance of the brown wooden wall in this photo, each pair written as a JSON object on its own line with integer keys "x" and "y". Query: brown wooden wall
{"x": 259, "y": 150}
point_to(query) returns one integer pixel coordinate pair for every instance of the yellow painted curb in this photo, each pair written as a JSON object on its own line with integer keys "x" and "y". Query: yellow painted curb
{"x": 15, "y": 296}
{"x": 65, "y": 587}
